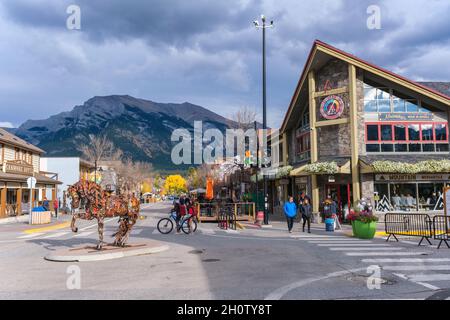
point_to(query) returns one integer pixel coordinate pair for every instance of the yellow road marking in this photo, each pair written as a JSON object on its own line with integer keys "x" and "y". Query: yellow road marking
{"x": 239, "y": 225}
{"x": 49, "y": 228}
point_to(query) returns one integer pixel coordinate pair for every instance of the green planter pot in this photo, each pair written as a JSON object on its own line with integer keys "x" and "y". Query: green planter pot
{"x": 364, "y": 230}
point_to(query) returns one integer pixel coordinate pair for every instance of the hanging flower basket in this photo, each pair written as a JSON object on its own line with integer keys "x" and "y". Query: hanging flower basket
{"x": 427, "y": 166}
{"x": 322, "y": 168}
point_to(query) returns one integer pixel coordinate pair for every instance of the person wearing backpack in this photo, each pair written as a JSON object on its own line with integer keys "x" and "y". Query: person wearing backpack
{"x": 290, "y": 211}
{"x": 306, "y": 214}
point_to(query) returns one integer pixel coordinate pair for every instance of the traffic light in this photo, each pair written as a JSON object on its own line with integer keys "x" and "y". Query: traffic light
{"x": 248, "y": 161}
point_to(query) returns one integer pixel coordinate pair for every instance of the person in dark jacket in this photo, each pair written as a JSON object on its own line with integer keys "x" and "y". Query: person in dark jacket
{"x": 290, "y": 211}
{"x": 306, "y": 214}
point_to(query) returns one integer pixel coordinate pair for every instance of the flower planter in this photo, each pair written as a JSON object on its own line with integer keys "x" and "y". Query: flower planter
{"x": 364, "y": 230}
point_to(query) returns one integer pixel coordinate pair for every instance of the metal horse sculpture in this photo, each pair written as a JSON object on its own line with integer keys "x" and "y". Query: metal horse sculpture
{"x": 99, "y": 204}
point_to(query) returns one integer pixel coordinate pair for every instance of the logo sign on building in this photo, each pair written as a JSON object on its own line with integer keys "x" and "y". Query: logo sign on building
{"x": 332, "y": 107}
{"x": 415, "y": 116}
{"x": 412, "y": 177}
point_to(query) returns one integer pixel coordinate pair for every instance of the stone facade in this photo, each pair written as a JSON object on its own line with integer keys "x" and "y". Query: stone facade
{"x": 367, "y": 186}
{"x": 333, "y": 140}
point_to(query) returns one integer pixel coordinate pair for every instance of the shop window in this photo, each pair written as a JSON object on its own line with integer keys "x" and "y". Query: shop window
{"x": 414, "y": 132}
{"x": 427, "y": 132}
{"x": 376, "y": 99}
{"x": 407, "y": 137}
{"x": 372, "y": 132}
{"x": 403, "y": 196}
{"x": 440, "y": 131}
{"x": 372, "y": 147}
{"x": 442, "y": 147}
{"x": 386, "y": 132}
{"x": 370, "y": 106}
{"x": 414, "y": 147}
{"x": 387, "y": 148}
{"x": 428, "y": 147}
{"x": 401, "y": 147}
{"x": 384, "y": 105}
{"x": 400, "y": 132}
{"x": 412, "y": 106}
{"x": 399, "y": 105}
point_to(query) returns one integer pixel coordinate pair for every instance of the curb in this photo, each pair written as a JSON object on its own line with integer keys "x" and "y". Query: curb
{"x": 106, "y": 256}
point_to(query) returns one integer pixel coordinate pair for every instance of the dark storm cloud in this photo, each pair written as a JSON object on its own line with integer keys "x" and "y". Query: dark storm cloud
{"x": 169, "y": 22}
{"x": 202, "y": 51}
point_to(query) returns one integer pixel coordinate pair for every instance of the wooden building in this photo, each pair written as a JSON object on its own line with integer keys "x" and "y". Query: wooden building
{"x": 19, "y": 160}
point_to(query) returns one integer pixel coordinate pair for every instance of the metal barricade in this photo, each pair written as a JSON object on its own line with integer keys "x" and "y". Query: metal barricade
{"x": 441, "y": 225}
{"x": 408, "y": 224}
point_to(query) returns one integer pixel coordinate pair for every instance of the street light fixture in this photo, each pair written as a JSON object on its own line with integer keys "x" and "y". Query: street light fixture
{"x": 264, "y": 27}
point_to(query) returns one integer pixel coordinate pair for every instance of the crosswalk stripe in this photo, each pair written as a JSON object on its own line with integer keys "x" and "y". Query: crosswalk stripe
{"x": 28, "y": 236}
{"x": 418, "y": 268}
{"x": 136, "y": 231}
{"x": 362, "y": 254}
{"x": 351, "y": 245}
{"x": 366, "y": 249}
{"x": 83, "y": 234}
{"x": 155, "y": 231}
{"x": 406, "y": 260}
{"x": 320, "y": 239}
{"x": 429, "y": 277}
{"x": 336, "y": 241}
{"x": 207, "y": 231}
{"x": 55, "y": 235}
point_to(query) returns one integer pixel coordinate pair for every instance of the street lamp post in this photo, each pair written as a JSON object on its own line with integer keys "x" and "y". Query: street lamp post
{"x": 263, "y": 27}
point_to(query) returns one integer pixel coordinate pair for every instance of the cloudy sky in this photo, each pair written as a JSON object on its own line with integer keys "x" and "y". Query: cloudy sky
{"x": 206, "y": 52}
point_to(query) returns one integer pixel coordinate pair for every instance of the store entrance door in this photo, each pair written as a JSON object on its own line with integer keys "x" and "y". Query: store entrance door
{"x": 341, "y": 193}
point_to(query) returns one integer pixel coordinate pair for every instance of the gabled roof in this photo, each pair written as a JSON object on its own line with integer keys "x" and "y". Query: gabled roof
{"x": 8, "y": 138}
{"x": 319, "y": 46}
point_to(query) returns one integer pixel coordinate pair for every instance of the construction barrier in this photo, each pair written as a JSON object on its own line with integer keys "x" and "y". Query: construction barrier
{"x": 226, "y": 219}
{"x": 243, "y": 211}
{"x": 441, "y": 230}
{"x": 408, "y": 224}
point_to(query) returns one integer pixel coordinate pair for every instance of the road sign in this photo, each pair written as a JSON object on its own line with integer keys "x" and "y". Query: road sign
{"x": 31, "y": 182}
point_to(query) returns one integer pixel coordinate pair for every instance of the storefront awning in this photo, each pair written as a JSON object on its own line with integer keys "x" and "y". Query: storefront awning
{"x": 11, "y": 177}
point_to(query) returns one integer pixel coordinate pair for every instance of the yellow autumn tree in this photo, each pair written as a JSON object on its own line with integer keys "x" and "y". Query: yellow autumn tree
{"x": 175, "y": 184}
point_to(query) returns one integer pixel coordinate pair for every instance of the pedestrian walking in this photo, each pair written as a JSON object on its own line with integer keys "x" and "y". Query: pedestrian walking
{"x": 46, "y": 204}
{"x": 55, "y": 207}
{"x": 306, "y": 214}
{"x": 290, "y": 210}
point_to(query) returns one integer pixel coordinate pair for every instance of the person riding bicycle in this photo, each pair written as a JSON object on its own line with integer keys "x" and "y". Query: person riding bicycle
{"x": 190, "y": 215}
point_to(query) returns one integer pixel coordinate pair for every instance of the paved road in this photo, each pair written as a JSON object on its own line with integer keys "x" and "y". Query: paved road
{"x": 214, "y": 264}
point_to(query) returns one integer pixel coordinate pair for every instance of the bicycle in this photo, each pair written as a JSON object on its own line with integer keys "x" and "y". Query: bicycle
{"x": 165, "y": 225}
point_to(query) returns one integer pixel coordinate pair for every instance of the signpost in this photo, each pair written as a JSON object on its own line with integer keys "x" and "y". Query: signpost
{"x": 31, "y": 183}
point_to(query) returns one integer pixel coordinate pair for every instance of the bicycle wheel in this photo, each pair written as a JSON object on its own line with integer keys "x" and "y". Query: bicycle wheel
{"x": 186, "y": 228}
{"x": 165, "y": 225}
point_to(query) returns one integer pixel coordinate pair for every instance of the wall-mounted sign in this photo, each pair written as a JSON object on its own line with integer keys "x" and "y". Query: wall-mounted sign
{"x": 413, "y": 177}
{"x": 331, "y": 179}
{"x": 301, "y": 180}
{"x": 332, "y": 107}
{"x": 415, "y": 116}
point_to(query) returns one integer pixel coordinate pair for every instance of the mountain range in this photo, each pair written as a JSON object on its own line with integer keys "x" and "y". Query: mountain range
{"x": 140, "y": 128}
